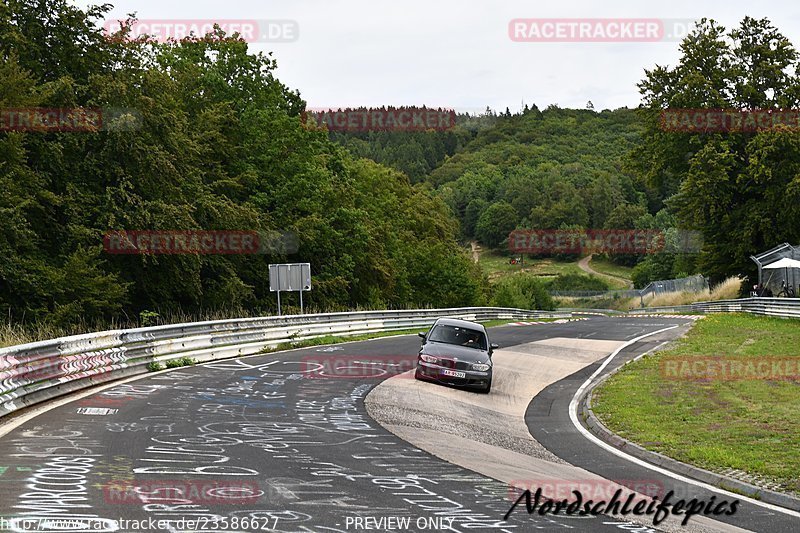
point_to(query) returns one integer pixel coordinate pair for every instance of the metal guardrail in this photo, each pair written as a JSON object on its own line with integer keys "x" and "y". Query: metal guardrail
{"x": 39, "y": 371}
{"x": 663, "y": 309}
{"x": 590, "y": 311}
{"x": 779, "y": 307}
{"x": 621, "y": 293}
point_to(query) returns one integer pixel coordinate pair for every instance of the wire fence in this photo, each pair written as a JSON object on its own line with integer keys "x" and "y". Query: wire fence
{"x": 690, "y": 284}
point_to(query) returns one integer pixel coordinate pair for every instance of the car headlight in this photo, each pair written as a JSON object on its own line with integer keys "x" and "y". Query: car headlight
{"x": 480, "y": 367}
{"x": 429, "y": 358}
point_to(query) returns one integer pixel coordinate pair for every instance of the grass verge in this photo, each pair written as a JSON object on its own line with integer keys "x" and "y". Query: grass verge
{"x": 746, "y": 424}
{"x": 496, "y": 265}
{"x": 604, "y": 266}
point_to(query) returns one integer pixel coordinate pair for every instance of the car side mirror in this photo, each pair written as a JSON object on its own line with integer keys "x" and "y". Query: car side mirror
{"x": 493, "y": 347}
{"x": 421, "y": 334}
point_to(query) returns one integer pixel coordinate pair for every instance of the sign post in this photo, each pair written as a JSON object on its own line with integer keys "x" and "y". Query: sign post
{"x": 290, "y": 277}
{"x": 277, "y": 284}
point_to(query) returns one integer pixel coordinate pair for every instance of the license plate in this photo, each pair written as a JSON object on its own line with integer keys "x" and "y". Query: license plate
{"x": 453, "y": 373}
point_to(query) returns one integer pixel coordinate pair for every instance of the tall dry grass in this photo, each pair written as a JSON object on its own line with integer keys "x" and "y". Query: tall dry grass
{"x": 726, "y": 290}
{"x": 15, "y": 333}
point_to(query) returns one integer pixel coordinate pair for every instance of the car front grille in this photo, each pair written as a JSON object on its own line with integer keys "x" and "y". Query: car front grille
{"x": 456, "y": 365}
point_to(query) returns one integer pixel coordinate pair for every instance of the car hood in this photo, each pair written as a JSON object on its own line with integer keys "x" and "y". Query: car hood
{"x": 451, "y": 351}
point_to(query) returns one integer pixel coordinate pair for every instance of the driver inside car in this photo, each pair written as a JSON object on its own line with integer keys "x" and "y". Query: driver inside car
{"x": 471, "y": 340}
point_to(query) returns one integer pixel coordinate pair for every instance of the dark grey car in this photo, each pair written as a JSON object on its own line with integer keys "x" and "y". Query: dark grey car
{"x": 456, "y": 352}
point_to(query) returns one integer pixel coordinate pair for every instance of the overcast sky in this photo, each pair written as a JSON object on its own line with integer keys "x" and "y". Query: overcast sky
{"x": 458, "y": 53}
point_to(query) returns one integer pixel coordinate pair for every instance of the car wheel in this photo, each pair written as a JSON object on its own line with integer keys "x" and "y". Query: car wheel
{"x": 417, "y": 374}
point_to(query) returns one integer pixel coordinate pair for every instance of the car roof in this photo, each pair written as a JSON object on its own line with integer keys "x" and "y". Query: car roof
{"x": 461, "y": 323}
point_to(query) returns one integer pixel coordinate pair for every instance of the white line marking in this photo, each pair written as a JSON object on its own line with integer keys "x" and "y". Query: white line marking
{"x": 573, "y": 416}
{"x": 13, "y": 420}
{"x": 96, "y": 411}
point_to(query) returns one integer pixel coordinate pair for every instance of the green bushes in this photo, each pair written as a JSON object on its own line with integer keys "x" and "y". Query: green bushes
{"x": 148, "y": 318}
{"x": 155, "y": 366}
{"x": 183, "y": 361}
{"x": 576, "y": 282}
{"x": 523, "y": 292}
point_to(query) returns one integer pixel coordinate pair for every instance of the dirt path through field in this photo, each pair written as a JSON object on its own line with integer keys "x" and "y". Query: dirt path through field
{"x": 584, "y": 265}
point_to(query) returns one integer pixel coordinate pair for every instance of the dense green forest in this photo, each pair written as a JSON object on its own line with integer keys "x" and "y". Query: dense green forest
{"x": 219, "y": 145}
{"x": 617, "y": 169}
{"x": 417, "y": 153}
{"x": 213, "y": 141}
{"x": 530, "y": 169}
{"x": 551, "y": 169}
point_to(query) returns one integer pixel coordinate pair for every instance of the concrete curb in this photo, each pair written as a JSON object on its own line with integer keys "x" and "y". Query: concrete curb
{"x": 593, "y": 424}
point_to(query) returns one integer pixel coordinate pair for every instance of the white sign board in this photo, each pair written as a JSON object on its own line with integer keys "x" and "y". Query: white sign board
{"x": 290, "y": 277}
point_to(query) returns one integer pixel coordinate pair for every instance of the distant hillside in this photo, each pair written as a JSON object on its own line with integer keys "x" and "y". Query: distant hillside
{"x": 551, "y": 169}
{"x": 544, "y": 170}
{"x": 415, "y": 153}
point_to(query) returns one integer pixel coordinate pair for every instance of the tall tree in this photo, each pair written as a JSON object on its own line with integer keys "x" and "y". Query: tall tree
{"x": 740, "y": 189}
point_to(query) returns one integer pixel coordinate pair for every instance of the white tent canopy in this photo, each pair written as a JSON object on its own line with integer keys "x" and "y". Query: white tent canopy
{"x": 784, "y": 263}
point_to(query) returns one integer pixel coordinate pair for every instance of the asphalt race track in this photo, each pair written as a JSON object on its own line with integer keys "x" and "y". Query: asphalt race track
{"x": 547, "y": 418}
{"x": 283, "y": 442}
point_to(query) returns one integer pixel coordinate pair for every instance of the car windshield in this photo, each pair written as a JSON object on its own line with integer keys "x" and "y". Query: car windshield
{"x": 459, "y": 336}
